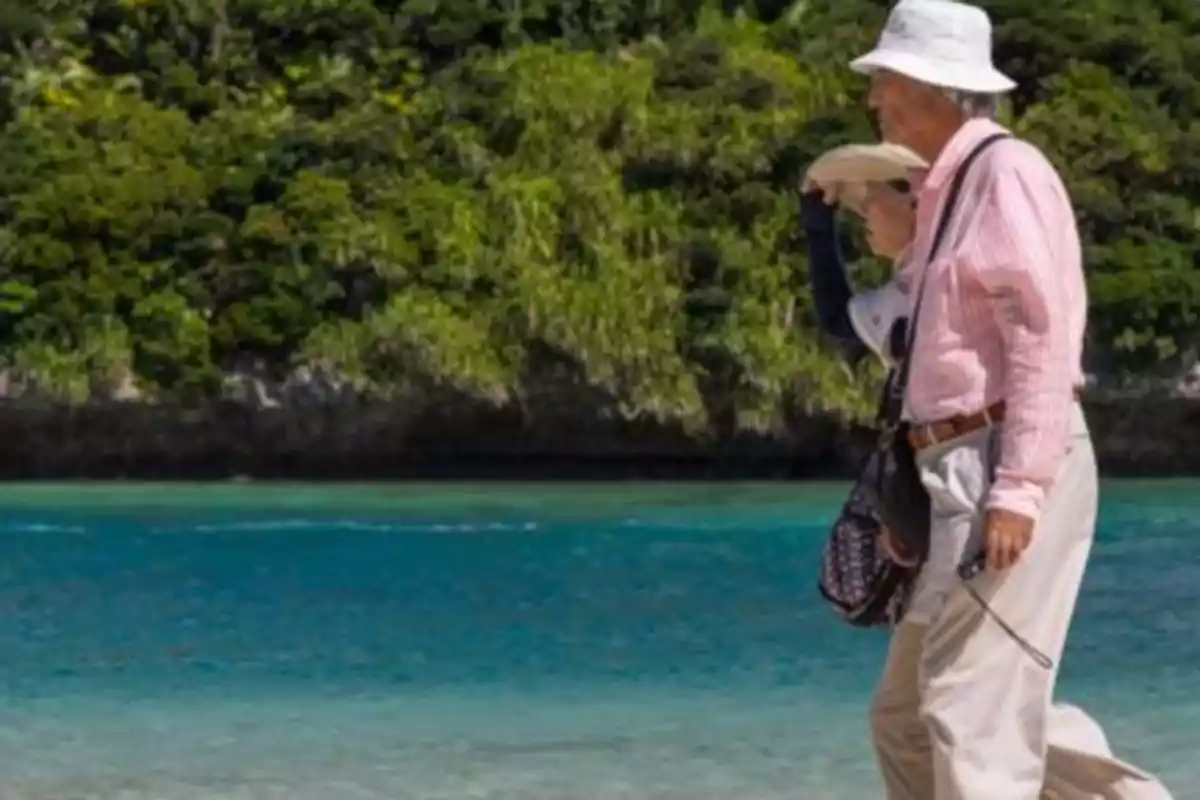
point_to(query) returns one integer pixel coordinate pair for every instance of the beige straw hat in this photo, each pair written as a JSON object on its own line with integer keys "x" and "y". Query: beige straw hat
{"x": 847, "y": 170}
{"x": 863, "y": 163}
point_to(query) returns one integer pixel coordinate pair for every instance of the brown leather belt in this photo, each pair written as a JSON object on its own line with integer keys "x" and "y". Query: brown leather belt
{"x": 931, "y": 433}
{"x": 943, "y": 430}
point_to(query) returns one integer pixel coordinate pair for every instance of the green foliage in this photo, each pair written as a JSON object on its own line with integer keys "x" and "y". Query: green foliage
{"x": 495, "y": 198}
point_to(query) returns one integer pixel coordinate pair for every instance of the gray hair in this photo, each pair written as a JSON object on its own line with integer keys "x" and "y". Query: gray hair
{"x": 974, "y": 104}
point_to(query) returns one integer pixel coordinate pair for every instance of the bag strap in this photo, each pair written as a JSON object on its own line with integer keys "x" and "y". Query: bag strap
{"x": 898, "y": 380}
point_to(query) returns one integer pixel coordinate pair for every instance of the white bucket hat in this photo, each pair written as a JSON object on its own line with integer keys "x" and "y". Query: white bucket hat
{"x": 940, "y": 43}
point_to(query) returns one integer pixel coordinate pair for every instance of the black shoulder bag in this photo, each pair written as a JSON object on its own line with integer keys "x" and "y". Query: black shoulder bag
{"x": 859, "y": 578}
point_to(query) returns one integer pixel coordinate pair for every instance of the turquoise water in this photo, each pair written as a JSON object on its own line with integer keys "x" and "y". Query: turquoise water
{"x": 633, "y": 642}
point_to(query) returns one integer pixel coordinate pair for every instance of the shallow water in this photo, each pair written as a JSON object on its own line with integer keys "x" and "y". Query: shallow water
{"x": 509, "y": 643}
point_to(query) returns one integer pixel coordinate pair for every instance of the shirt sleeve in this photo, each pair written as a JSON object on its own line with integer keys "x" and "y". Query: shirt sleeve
{"x": 827, "y": 274}
{"x": 1015, "y": 265}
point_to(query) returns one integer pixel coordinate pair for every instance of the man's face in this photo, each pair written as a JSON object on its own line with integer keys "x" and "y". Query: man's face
{"x": 904, "y": 108}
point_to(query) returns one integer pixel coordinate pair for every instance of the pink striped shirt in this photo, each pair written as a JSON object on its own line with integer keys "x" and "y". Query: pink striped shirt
{"x": 1005, "y": 307}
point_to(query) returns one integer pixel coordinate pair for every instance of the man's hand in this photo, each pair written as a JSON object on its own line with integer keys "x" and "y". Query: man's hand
{"x": 1007, "y": 534}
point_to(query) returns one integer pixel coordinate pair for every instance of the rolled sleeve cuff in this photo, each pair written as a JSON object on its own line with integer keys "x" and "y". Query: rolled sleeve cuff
{"x": 1020, "y": 497}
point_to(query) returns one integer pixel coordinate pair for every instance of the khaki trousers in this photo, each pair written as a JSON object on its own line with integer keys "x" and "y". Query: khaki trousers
{"x": 961, "y": 711}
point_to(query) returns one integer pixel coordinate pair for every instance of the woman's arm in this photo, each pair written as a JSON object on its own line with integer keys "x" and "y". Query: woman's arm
{"x": 827, "y": 274}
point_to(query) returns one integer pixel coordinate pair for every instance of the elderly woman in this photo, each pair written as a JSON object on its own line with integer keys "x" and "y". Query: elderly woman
{"x": 871, "y": 320}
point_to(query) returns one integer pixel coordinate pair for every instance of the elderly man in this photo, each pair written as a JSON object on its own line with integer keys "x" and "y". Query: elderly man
{"x": 963, "y": 712}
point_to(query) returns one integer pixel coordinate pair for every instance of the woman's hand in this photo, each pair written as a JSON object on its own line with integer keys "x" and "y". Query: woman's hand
{"x": 841, "y": 193}
{"x": 891, "y": 217}
{"x": 889, "y": 214}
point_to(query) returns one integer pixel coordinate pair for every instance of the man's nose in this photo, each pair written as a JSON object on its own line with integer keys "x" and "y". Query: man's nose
{"x": 874, "y": 95}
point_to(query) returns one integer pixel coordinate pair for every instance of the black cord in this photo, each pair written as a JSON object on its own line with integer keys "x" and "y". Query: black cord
{"x": 968, "y": 571}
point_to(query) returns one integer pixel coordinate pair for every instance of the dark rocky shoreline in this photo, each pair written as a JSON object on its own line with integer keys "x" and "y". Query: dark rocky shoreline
{"x": 445, "y": 441}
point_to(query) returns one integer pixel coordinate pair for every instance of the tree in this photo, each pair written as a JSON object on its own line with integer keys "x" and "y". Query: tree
{"x": 517, "y": 200}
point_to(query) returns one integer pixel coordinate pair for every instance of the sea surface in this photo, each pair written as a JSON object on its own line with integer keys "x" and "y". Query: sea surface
{"x": 514, "y": 642}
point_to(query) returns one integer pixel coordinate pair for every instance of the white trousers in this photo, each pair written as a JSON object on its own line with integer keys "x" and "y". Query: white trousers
{"x": 961, "y": 711}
